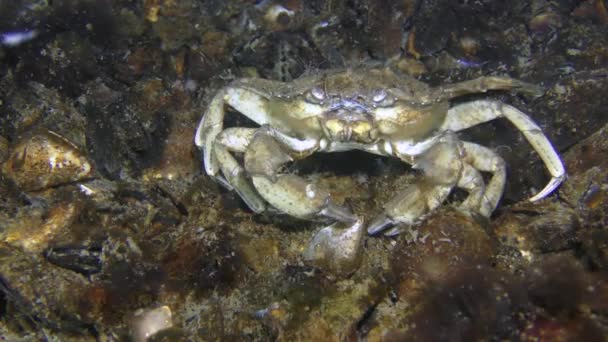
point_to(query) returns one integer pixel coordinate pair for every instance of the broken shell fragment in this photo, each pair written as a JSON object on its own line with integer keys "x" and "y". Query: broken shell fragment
{"x": 46, "y": 160}
{"x": 337, "y": 249}
{"x": 147, "y": 322}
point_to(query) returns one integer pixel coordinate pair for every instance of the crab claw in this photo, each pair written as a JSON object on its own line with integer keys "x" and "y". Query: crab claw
{"x": 336, "y": 212}
{"x": 469, "y": 114}
{"x": 379, "y": 224}
{"x": 294, "y": 196}
{"x": 408, "y": 207}
{"x": 289, "y": 193}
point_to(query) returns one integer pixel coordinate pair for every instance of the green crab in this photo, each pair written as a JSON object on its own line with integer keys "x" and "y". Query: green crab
{"x": 374, "y": 109}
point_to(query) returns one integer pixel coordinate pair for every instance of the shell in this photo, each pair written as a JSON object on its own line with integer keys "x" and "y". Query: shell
{"x": 46, "y": 160}
{"x": 336, "y": 248}
{"x": 147, "y": 322}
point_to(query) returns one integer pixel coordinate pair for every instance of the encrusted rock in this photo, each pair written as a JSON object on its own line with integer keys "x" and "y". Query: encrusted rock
{"x": 447, "y": 240}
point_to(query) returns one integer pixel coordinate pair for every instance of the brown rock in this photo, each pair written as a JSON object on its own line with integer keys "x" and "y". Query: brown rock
{"x": 538, "y": 227}
{"x": 446, "y": 240}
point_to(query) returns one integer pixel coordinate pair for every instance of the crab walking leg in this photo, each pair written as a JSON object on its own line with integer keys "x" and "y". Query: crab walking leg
{"x": 210, "y": 126}
{"x": 484, "y": 159}
{"x": 469, "y": 114}
{"x": 236, "y": 177}
{"x": 482, "y": 85}
{"x": 250, "y": 103}
{"x": 472, "y": 181}
{"x": 288, "y": 193}
{"x": 236, "y": 140}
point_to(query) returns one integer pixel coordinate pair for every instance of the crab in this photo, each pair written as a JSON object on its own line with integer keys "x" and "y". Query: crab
{"x": 374, "y": 109}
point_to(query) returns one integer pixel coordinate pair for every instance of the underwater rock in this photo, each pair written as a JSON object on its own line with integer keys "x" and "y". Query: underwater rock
{"x": 587, "y": 168}
{"x": 123, "y": 140}
{"x": 472, "y": 303}
{"x": 568, "y": 303}
{"x": 575, "y": 329}
{"x": 545, "y": 18}
{"x": 46, "y": 160}
{"x": 277, "y": 55}
{"x": 446, "y": 240}
{"x": 586, "y": 189}
{"x": 275, "y": 316}
{"x": 260, "y": 253}
{"x": 478, "y": 302}
{"x": 48, "y": 295}
{"x": 175, "y": 161}
{"x": 36, "y": 107}
{"x": 33, "y": 229}
{"x": 538, "y": 227}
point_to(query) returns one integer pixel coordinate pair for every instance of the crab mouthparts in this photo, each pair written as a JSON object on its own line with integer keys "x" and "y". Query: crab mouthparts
{"x": 349, "y": 125}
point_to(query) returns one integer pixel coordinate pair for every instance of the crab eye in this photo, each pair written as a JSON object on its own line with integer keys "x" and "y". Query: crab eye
{"x": 382, "y": 98}
{"x": 379, "y": 95}
{"x": 316, "y": 95}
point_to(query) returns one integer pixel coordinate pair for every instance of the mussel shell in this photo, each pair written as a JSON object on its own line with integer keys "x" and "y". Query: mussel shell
{"x": 46, "y": 160}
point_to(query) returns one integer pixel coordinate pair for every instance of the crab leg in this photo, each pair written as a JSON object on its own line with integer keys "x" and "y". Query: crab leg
{"x": 289, "y": 193}
{"x": 235, "y": 177}
{"x": 471, "y": 181}
{"x": 482, "y": 85}
{"x": 469, "y": 114}
{"x": 210, "y": 126}
{"x": 484, "y": 159}
{"x": 236, "y": 140}
{"x": 239, "y": 97}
